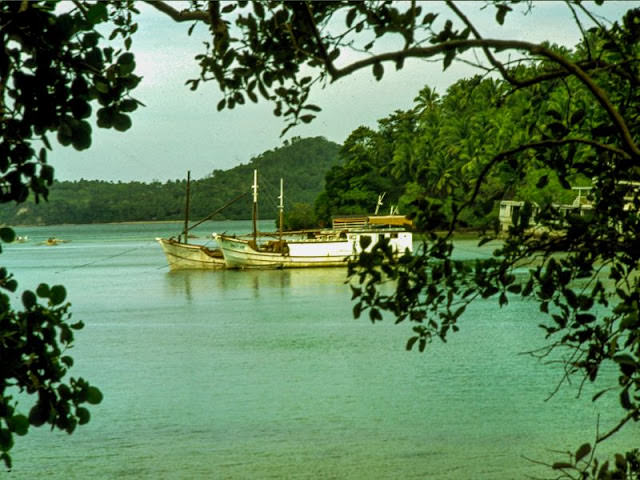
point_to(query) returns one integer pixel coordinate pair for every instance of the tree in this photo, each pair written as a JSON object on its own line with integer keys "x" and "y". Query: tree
{"x": 280, "y": 51}
{"x": 53, "y": 67}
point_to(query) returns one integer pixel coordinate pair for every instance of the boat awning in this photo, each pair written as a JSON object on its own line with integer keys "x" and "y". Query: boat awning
{"x": 394, "y": 220}
{"x": 351, "y": 221}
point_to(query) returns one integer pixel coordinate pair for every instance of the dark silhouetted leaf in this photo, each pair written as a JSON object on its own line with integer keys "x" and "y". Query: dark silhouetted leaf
{"x": 7, "y": 234}
{"x": 582, "y": 452}
{"x": 57, "y": 294}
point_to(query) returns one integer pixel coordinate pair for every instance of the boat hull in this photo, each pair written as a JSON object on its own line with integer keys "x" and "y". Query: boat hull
{"x": 238, "y": 253}
{"x": 183, "y": 256}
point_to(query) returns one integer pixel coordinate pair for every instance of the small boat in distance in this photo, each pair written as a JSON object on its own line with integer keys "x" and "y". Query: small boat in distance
{"x": 334, "y": 247}
{"x": 52, "y": 241}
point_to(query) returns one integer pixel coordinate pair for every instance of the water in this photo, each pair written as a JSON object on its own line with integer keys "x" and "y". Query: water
{"x": 265, "y": 374}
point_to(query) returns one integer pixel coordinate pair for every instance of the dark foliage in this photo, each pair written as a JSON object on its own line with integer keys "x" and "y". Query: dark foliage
{"x": 55, "y": 68}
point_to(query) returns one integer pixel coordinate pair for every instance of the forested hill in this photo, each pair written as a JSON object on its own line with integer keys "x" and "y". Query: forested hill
{"x": 302, "y": 163}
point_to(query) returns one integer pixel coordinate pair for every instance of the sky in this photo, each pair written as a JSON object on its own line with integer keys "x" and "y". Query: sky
{"x": 180, "y": 130}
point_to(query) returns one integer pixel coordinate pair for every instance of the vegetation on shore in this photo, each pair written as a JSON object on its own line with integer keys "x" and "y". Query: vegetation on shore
{"x": 301, "y": 162}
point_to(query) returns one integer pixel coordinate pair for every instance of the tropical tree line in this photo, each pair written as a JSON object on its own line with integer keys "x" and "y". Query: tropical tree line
{"x": 301, "y": 162}
{"x": 437, "y": 150}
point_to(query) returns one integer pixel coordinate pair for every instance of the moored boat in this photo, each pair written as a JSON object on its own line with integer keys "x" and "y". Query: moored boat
{"x": 183, "y": 255}
{"x": 321, "y": 248}
{"x": 328, "y": 248}
{"x": 190, "y": 256}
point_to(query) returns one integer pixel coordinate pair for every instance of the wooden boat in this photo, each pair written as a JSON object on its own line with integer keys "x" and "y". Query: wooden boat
{"x": 329, "y": 248}
{"x": 323, "y": 248}
{"x": 183, "y": 255}
{"x": 53, "y": 241}
{"x": 190, "y": 256}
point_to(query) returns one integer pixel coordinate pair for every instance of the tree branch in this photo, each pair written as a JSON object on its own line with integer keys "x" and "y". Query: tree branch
{"x": 577, "y": 20}
{"x": 534, "y": 49}
{"x": 630, "y": 416}
{"x": 180, "y": 15}
{"x": 316, "y": 35}
{"x": 503, "y": 71}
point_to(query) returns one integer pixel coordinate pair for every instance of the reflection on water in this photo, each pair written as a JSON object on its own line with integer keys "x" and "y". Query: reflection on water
{"x": 193, "y": 284}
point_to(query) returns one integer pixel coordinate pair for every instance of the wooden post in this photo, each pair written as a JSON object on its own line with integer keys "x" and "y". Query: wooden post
{"x": 186, "y": 209}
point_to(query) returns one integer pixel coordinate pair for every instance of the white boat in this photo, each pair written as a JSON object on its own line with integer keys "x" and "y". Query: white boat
{"x": 190, "y": 256}
{"x": 510, "y": 210}
{"x": 329, "y": 248}
{"x": 323, "y": 248}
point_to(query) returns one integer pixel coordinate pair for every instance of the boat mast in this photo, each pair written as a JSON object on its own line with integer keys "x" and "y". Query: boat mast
{"x": 281, "y": 208}
{"x": 255, "y": 206}
{"x": 186, "y": 210}
{"x": 379, "y": 202}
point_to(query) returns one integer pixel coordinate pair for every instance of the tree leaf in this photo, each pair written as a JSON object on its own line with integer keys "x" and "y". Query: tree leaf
{"x": 43, "y": 290}
{"x": 577, "y": 117}
{"x": 97, "y": 13}
{"x": 19, "y": 424}
{"x": 83, "y": 415}
{"x": 429, "y": 18}
{"x": 121, "y": 122}
{"x": 542, "y": 181}
{"x": 228, "y": 8}
{"x": 378, "y": 71}
{"x": 38, "y": 415}
{"x": 6, "y": 440}
{"x": 501, "y": 13}
{"x": 624, "y": 359}
{"x": 28, "y": 299}
{"x": 448, "y": 58}
{"x": 311, "y": 107}
{"x": 57, "y": 294}
{"x": 582, "y": 452}
{"x": 94, "y": 395}
{"x": 351, "y": 15}
{"x": 128, "y": 105}
{"x": 7, "y": 234}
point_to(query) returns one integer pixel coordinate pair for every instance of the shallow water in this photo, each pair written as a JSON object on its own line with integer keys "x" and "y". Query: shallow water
{"x": 265, "y": 374}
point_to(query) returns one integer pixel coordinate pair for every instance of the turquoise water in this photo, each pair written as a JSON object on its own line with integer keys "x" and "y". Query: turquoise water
{"x": 265, "y": 374}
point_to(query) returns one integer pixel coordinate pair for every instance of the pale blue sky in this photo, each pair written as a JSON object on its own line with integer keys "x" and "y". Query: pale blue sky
{"x": 181, "y": 130}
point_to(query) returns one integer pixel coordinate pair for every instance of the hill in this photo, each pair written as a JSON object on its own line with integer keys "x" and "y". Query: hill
{"x": 301, "y": 162}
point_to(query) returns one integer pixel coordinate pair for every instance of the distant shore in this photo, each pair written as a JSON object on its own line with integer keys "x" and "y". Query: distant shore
{"x": 462, "y": 234}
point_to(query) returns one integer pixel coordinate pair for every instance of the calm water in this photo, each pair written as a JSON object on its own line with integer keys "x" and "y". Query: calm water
{"x": 265, "y": 374}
